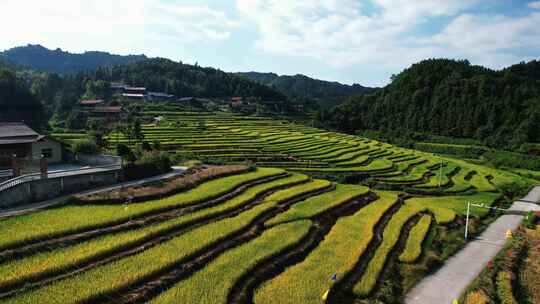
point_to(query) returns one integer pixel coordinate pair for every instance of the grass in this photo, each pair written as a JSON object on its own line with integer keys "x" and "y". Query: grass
{"x": 305, "y": 282}
{"x": 212, "y": 284}
{"x": 418, "y": 233}
{"x": 47, "y": 223}
{"x": 315, "y": 205}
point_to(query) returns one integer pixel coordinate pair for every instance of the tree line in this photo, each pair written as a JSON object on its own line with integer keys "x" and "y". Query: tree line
{"x": 449, "y": 98}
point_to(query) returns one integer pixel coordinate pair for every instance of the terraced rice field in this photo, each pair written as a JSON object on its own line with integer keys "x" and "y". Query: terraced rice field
{"x": 281, "y": 233}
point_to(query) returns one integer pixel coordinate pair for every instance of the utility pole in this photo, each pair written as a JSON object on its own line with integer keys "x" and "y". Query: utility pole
{"x": 440, "y": 174}
{"x": 467, "y": 220}
{"x": 469, "y": 205}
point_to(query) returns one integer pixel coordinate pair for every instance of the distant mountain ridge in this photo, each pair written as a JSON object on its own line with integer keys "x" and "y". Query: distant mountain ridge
{"x": 298, "y": 88}
{"x": 304, "y": 88}
{"x": 37, "y": 57}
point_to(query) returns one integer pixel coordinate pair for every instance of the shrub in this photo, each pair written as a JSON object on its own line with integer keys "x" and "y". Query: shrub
{"x": 504, "y": 288}
{"x": 149, "y": 164}
{"x": 85, "y": 147}
{"x": 122, "y": 150}
{"x": 477, "y": 297}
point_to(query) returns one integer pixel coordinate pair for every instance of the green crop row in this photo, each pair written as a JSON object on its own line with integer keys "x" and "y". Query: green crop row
{"x": 319, "y": 204}
{"x": 348, "y": 239}
{"x": 212, "y": 284}
{"x": 418, "y": 233}
{"x": 65, "y": 258}
{"x": 391, "y": 235}
{"x": 71, "y": 218}
{"x": 110, "y": 277}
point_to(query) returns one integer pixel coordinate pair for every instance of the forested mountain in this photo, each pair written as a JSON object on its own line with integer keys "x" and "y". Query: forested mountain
{"x": 450, "y": 98}
{"x": 306, "y": 89}
{"x": 28, "y": 94}
{"x": 187, "y": 80}
{"x": 40, "y": 58}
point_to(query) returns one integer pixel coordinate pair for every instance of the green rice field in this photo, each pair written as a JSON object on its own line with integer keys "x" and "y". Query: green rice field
{"x": 319, "y": 213}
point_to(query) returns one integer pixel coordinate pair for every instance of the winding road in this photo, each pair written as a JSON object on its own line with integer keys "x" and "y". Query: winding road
{"x": 449, "y": 282}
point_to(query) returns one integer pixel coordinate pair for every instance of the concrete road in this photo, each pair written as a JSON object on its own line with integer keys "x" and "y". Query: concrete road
{"x": 449, "y": 282}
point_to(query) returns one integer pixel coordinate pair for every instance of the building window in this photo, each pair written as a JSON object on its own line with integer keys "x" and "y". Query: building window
{"x": 47, "y": 153}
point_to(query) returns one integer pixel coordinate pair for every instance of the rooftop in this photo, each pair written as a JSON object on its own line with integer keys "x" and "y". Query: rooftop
{"x": 91, "y": 102}
{"x": 133, "y": 95}
{"x": 16, "y": 129}
{"x": 17, "y": 133}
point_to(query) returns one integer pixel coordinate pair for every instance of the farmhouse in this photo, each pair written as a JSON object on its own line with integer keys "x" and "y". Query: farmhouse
{"x": 18, "y": 139}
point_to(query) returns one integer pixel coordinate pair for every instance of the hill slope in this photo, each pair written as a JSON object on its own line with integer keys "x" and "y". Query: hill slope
{"x": 189, "y": 80}
{"x": 451, "y": 98}
{"x": 303, "y": 88}
{"x": 40, "y": 58}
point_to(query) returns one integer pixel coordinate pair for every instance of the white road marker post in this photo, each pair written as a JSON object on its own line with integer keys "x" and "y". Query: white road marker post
{"x": 467, "y": 220}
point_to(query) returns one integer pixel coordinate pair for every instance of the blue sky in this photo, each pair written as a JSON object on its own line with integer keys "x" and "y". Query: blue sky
{"x": 349, "y": 41}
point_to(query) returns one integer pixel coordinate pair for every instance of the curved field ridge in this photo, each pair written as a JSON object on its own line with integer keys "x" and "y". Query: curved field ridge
{"x": 305, "y": 282}
{"x": 391, "y": 236}
{"x": 319, "y": 204}
{"x": 212, "y": 284}
{"x": 413, "y": 248}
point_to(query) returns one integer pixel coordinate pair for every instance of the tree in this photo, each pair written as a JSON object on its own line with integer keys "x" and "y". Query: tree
{"x": 17, "y": 103}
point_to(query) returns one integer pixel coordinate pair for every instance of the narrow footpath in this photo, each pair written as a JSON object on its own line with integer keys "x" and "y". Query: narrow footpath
{"x": 449, "y": 282}
{"x": 59, "y": 200}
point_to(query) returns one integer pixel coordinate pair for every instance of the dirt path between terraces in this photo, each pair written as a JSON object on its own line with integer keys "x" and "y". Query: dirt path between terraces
{"x": 449, "y": 282}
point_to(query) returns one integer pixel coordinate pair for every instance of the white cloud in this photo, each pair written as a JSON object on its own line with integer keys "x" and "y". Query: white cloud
{"x": 344, "y": 32}
{"x": 487, "y": 34}
{"x": 534, "y": 5}
{"x": 120, "y": 26}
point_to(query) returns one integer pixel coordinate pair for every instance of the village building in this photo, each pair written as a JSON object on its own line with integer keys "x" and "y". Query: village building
{"x": 20, "y": 141}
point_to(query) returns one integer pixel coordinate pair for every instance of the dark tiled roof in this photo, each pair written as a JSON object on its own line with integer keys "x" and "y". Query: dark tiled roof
{"x": 16, "y": 129}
